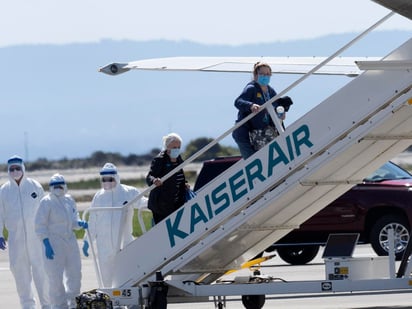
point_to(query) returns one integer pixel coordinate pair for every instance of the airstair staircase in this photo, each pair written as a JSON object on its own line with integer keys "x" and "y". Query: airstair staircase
{"x": 259, "y": 200}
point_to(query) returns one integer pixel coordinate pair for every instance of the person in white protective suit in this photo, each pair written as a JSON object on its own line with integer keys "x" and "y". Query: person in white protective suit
{"x": 19, "y": 200}
{"x": 111, "y": 230}
{"x": 55, "y": 221}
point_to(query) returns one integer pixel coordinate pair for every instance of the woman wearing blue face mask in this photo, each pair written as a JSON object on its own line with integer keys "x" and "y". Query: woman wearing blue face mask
{"x": 169, "y": 195}
{"x": 256, "y": 93}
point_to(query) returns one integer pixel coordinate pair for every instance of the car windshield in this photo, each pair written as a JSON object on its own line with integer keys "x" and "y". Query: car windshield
{"x": 388, "y": 171}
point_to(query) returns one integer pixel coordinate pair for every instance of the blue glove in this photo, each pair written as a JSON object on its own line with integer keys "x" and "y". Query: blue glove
{"x": 2, "y": 243}
{"x": 85, "y": 248}
{"x": 189, "y": 194}
{"x": 49, "y": 249}
{"x": 83, "y": 224}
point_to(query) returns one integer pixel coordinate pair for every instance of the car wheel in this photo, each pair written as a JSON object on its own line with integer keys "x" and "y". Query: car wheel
{"x": 379, "y": 236}
{"x": 298, "y": 255}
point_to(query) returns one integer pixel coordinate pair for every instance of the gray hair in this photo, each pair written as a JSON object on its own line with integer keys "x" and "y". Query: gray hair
{"x": 169, "y": 138}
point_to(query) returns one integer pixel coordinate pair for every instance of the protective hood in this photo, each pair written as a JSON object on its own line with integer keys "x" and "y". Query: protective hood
{"x": 15, "y": 161}
{"x": 109, "y": 170}
{"x": 57, "y": 181}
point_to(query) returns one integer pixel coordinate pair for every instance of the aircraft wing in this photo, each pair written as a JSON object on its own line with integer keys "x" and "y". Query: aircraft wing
{"x": 280, "y": 65}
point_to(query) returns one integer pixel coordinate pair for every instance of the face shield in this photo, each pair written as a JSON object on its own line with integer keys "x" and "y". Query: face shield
{"x": 58, "y": 190}
{"x": 16, "y": 172}
{"x": 15, "y": 168}
{"x": 57, "y": 185}
{"x": 109, "y": 177}
{"x": 108, "y": 182}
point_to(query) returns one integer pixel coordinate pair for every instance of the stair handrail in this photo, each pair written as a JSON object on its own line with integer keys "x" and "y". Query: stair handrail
{"x": 266, "y": 105}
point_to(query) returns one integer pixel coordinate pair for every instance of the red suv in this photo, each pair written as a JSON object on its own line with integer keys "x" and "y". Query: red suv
{"x": 381, "y": 202}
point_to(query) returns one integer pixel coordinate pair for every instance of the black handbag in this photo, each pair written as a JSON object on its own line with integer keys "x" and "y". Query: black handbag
{"x": 260, "y": 137}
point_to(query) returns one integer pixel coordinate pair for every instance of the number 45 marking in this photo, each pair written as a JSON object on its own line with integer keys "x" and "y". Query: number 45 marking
{"x": 126, "y": 293}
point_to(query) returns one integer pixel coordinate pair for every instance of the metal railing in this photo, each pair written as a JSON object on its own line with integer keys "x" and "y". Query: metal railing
{"x": 267, "y": 106}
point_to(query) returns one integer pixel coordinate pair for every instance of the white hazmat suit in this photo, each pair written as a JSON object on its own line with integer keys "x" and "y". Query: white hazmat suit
{"x": 56, "y": 219}
{"x": 111, "y": 230}
{"x": 19, "y": 200}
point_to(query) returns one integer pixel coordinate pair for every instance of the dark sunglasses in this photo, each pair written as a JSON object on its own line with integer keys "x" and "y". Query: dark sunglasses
{"x": 15, "y": 168}
{"x": 108, "y": 179}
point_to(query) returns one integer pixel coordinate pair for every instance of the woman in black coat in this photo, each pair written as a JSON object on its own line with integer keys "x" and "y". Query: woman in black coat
{"x": 169, "y": 195}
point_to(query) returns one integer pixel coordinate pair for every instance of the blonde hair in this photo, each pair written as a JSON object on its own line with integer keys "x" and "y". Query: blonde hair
{"x": 169, "y": 138}
{"x": 259, "y": 65}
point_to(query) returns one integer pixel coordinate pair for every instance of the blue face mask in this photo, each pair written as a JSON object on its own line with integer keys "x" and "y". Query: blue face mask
{"x": 174, "y": 153}
{"x": 263, "y": 80}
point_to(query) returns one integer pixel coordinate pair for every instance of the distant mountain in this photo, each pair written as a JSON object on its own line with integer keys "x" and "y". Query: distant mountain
{"x": 56, "y": 104}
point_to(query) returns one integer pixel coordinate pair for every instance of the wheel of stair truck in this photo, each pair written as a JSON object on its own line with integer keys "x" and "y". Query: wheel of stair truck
{"x": 298, "y": 255}
{"x": 253, "y": 301}
{"x": 379, "y": 235}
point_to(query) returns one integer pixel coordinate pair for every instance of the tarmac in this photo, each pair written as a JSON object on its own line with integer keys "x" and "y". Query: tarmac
{"x": 274, "y": 267}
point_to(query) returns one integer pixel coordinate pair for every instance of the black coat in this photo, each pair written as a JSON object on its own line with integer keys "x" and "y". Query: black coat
{"x": 166, "y": 198}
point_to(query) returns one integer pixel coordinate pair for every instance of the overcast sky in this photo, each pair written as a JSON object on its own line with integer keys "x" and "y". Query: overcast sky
{"x": 213, "y": 21}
